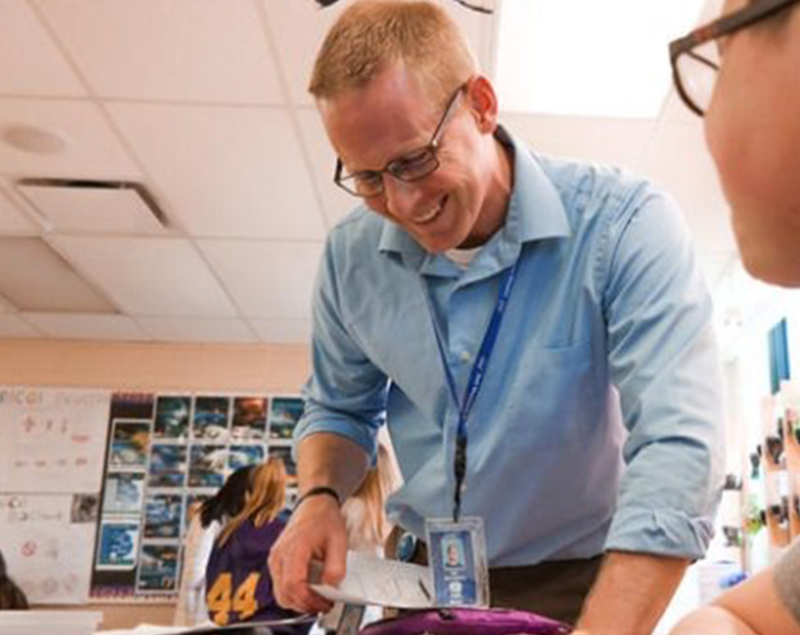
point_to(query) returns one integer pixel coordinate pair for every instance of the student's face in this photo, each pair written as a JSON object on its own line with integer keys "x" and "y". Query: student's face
{"x": 753, "y": 131}
{"x": 393, "y": 116}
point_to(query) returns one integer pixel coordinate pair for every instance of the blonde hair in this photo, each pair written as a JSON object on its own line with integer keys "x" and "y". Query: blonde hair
{"x": 373, "y": 492}
{"x": 371, "y": 35}
{"x": 264, "y": 499}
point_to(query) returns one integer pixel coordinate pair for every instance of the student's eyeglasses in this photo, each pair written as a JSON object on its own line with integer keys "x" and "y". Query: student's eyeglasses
{"x": 411, "y": 167}
{"x": 695, "y": 57}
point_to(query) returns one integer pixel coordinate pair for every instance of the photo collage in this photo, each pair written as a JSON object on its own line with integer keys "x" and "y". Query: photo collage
{"x": 165, "y": 453}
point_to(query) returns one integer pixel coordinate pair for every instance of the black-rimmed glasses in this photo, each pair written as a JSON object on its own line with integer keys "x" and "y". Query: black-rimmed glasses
{"x": 410, "y": 167}
{"x": 695, "y": 57}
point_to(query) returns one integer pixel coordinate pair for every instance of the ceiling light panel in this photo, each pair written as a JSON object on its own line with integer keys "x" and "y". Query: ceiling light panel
{"x": 203, "y": 50}
{"x": 266, "y": 279}
{"x": 91, "y": 147}
{"x": 87, "y": 208}
{"x": 198, "y": 330}
{"x": 588, "y": 58}
{"x": 87, "y": 326}
{"x": 33, "y": 277}
{"x": 149, "y": 276}
{"x": 233, "y": 172}
{"x": 30, "y": 63}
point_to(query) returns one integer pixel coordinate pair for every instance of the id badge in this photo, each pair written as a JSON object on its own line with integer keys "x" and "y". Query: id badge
{"x": 457, "y": 559}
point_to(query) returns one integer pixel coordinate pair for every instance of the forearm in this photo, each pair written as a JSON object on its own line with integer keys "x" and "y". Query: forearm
{"x": 712, "y": 620}
{"x": 631, "y": 593}
{"x": 751, "y": 608}
{"x": 331, "y": 460}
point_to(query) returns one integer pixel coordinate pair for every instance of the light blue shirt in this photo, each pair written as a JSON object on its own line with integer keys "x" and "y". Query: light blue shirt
{"x": 599, "y": 422}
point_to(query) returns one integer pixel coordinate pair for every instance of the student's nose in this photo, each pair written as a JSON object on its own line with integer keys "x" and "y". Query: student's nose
{"x": 402, "y": 198}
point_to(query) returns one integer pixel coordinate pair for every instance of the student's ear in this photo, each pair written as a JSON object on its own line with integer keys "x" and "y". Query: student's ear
{"x": 483, "y": 103}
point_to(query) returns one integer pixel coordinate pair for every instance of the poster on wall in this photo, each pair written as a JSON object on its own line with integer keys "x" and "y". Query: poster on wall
{"x": 283, "y": 417}
{"x": 47, "y": 542}
{"x": 52, "y": 440}
{"x": 165, "y": 454}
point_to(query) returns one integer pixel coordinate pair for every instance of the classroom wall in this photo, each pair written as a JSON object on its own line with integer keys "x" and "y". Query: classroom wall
{"x": 153, "y": 367}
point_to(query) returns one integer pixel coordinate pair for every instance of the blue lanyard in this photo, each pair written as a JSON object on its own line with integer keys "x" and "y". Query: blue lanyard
{"x": 476, "y": 377}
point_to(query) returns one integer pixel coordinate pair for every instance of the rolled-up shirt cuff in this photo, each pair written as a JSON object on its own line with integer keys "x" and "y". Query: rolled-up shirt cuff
{"x": 660, "y": 532}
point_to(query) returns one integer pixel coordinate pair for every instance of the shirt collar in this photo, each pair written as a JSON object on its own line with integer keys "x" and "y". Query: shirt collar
{"x": 535, "y": 212}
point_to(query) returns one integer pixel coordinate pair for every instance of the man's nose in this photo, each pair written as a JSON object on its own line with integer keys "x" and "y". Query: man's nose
{"x": 402, "y": 198}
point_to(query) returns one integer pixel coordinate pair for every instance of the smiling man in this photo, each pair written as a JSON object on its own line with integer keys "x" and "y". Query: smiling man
{"x": 535, "y": 334}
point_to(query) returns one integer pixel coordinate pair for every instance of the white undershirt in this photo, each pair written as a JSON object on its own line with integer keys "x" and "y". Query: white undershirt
{"x": 462, "y": 257}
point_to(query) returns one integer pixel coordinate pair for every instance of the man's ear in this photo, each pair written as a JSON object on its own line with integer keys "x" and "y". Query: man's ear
{"x": 483, "y": 103}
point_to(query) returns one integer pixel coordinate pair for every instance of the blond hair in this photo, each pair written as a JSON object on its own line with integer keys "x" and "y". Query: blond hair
{"x": 374, "y": 527}
{"x": 265, "y": 497}
{"x": 372, "y": 35}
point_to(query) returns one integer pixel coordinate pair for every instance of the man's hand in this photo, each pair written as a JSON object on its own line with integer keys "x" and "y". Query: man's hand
{"x": 315, "y": 531}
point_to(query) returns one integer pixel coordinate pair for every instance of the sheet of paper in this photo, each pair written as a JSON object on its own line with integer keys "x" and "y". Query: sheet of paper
{"x": 372, "y": 580}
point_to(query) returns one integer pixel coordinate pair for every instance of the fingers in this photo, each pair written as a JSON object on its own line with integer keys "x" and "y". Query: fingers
{"x": 315, "y": 532}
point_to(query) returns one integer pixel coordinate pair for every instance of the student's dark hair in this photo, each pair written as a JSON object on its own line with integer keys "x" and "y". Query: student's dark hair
{"x": 229, "y": 500}
{"x": 11, "y": 596}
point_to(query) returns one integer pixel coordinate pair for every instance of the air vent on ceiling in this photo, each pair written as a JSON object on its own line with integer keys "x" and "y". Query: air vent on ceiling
{"x": 93, "y": 206}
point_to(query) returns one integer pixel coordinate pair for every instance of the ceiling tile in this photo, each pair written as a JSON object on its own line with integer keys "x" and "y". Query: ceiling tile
{"x": 234, "y": 172}
{"x": 612, "y": 141}
{"x": 91, "y": 207}
{"x": 46, "y": 282}
{"x": 297, "y": 45}
{"x": 12, "y": 326}
{"x": 266, "y": 279}
{"x": 30, "y": 63}
{"x": 283, "y": 331}
{"x": 87, "y": 326}
{"x": 91, "y": 148}
{"x": 203, "y": 50}
{"x": 299, "y": 28}
{"x": 149, "y": 276}
{"x": 335, "y": 200}
{"x": 198, "y": 330}
{"x": 6, "y": 306}
{"x": 12, "y": 221}
{"x": 678, "y": 160}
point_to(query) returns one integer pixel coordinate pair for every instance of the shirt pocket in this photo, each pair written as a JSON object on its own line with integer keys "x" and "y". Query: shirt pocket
{"x": 559, "y": 396}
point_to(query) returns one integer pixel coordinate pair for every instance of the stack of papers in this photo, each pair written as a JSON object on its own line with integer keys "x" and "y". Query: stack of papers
{"x": 373, "y": 580}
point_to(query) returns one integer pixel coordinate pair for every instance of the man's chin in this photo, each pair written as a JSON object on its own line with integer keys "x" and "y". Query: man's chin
{"x": 772, "y": 267}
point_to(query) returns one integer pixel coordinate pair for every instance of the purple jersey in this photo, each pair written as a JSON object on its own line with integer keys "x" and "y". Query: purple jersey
{"x": 238, "y": 585}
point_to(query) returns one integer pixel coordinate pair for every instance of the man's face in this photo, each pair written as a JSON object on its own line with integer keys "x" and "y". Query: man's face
{"x": 753, "y": 131}
{"x": 392, "y": 117}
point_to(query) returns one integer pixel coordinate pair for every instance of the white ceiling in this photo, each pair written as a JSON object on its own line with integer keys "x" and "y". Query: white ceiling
{"x": 204, "y": 102}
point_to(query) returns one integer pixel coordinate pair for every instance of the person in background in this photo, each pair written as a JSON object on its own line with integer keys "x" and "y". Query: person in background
{"x": 205, "y": 523}
{"x": 238, "y": 584}
{"x": 368, "y": 528}
{"x": 602, "y": 393}
{"x": 364, "y": 512}
{"x": 742, "y": 74}
{"x": 12, "y": 597}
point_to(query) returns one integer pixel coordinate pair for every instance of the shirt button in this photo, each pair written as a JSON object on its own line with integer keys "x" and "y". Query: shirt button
{"x": 465, "y": 357}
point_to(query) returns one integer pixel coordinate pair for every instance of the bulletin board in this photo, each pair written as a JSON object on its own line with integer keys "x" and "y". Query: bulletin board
{"x": 52, "y": 445}
{"x": 164, "y": 452}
